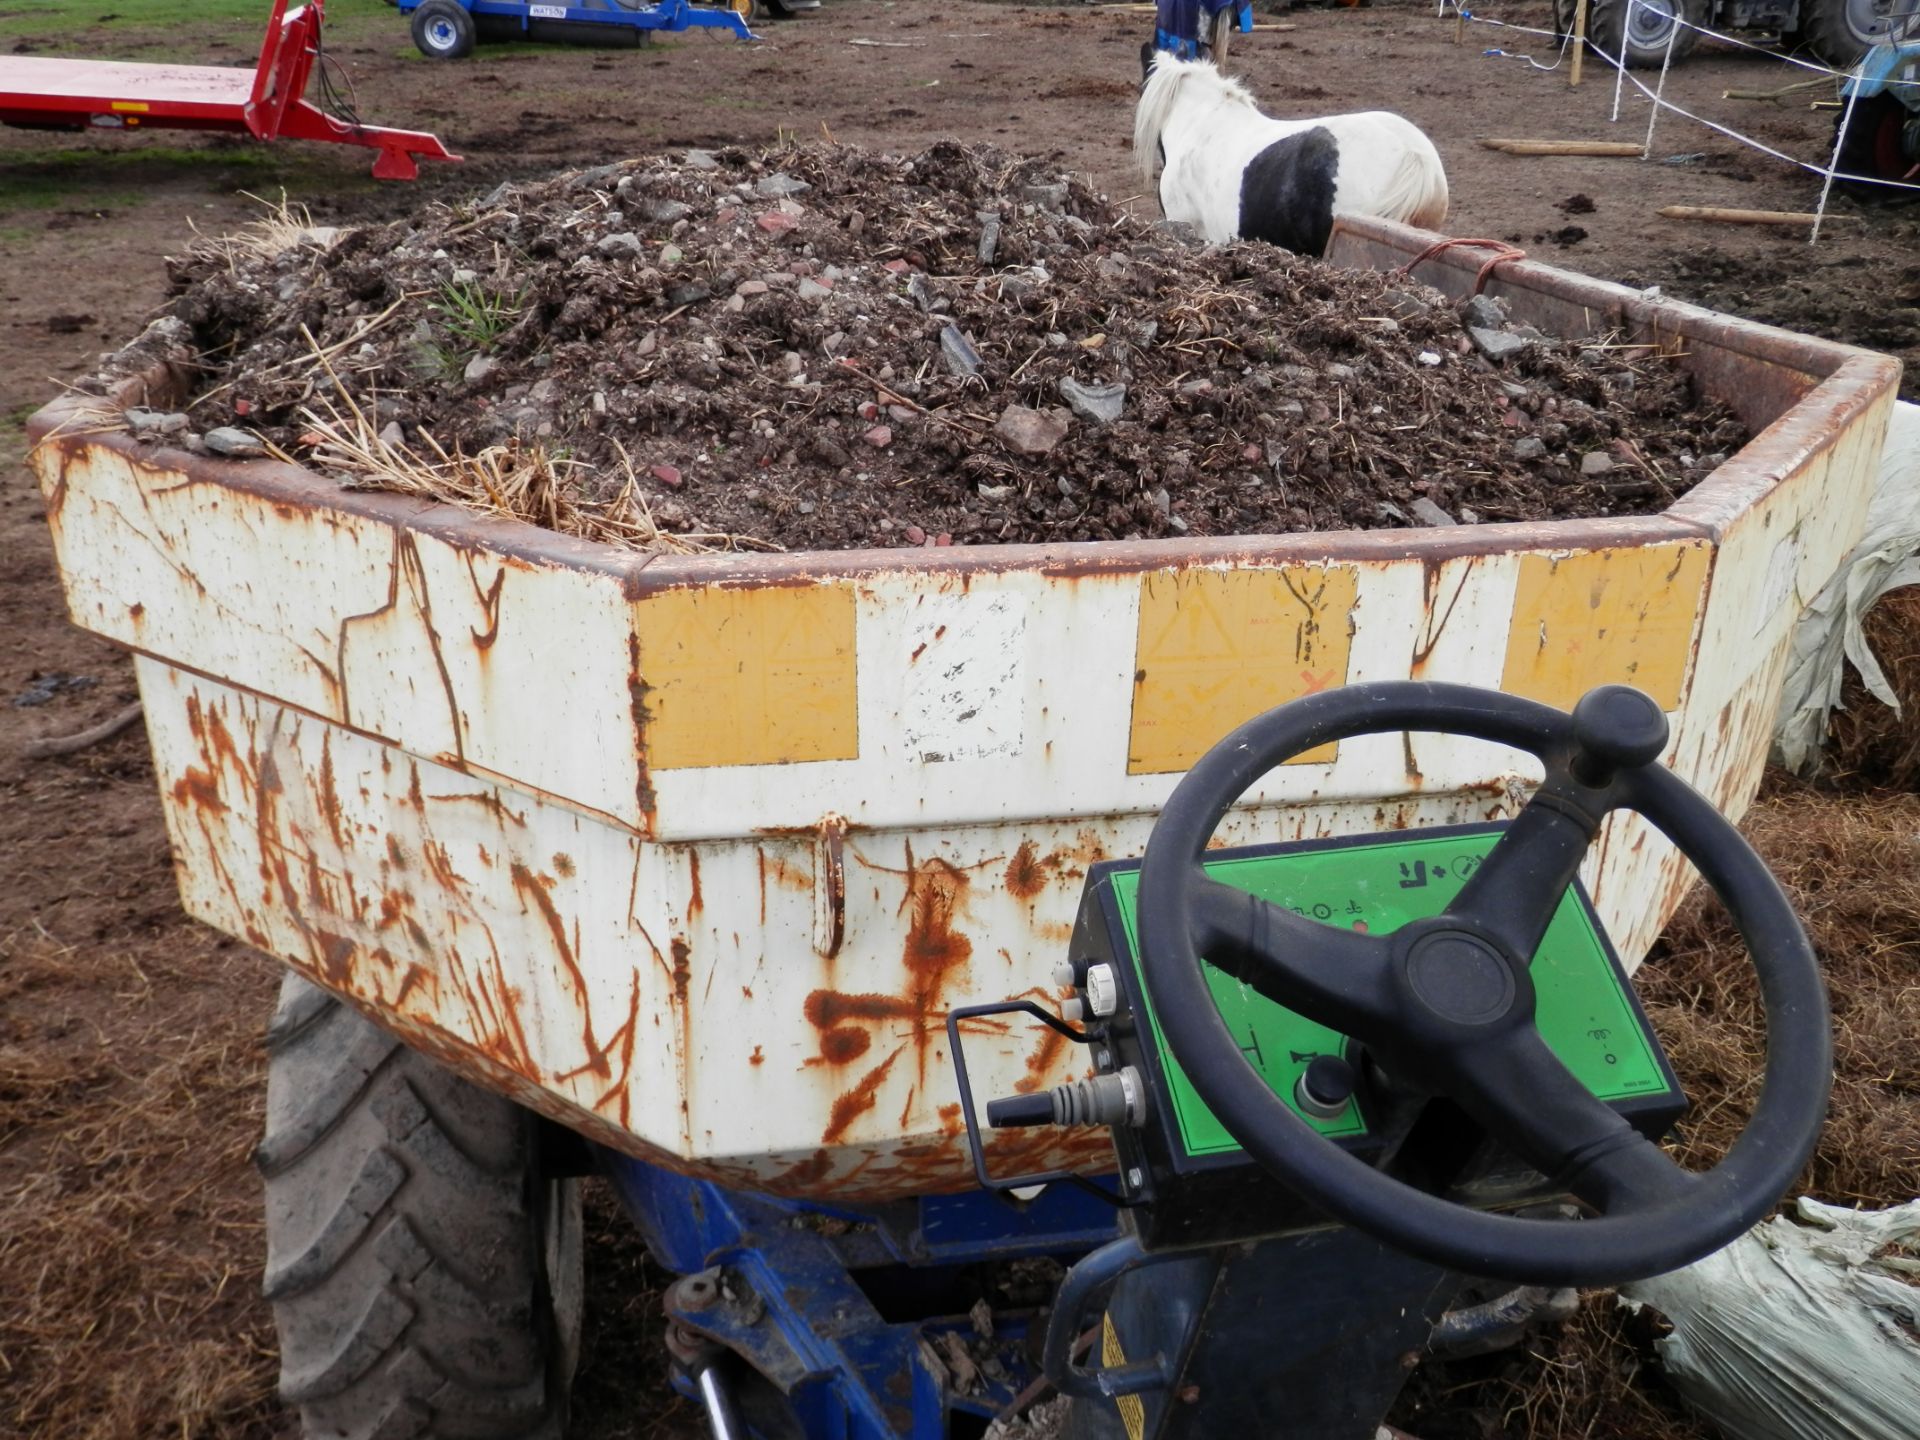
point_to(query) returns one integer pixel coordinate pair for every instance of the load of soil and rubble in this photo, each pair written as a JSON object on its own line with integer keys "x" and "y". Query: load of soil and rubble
{"x": 821, "y": 347}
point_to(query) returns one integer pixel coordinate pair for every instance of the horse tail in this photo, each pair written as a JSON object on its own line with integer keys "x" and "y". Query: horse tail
{"x": 1150, "y": 115}
{"x": 1417, "y": 192}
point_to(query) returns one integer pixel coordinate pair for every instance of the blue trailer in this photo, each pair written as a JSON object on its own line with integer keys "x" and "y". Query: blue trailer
{"x": 449, "y": 29}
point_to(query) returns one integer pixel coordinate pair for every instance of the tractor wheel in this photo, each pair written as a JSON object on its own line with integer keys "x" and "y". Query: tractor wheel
{"x": 1637, "y": 32}
{"x": 424, "y": 1269}
{"x": 443, "y": 30}
{"x": 1841, "y": 31}
{"x": 1883, "y": 142}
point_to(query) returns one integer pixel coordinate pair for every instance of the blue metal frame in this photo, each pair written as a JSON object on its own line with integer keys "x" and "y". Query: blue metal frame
{"x": 798, "y": 1313}
{"x": 1879, "y": 70}
{"x": 666, "y": 15}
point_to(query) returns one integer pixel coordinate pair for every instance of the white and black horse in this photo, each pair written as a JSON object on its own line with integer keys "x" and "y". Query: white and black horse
{"x": 1234, "y": 173}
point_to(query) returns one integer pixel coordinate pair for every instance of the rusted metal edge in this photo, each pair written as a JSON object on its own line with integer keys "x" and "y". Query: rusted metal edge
{"x": 66, "y": 421}
{"x": 639, "y": 575}
{"x": 1748, "y": 337}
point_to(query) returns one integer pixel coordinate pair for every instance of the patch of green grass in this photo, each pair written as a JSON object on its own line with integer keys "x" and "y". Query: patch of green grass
{"x": 472, "y": 313}
{"x": 170, "y": 29}
{"x": 473, "y": 317}
{"x": 76, "y": 17}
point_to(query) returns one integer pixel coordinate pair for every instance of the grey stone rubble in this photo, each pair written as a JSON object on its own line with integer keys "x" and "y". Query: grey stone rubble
{"x": 1031, "y": 432}
{"x": 613, "y": 247}
{"x": 155, "y": 423}
{"x": 1102, "y": 404}
{"x": 1495, "y": 344}
{"x": 958, "y": 352}
{"x": 989, "y": 237}
{"x": 229, "y": 441}
{"x": 1484, "y": 311}
{"x": 780, "y": 185}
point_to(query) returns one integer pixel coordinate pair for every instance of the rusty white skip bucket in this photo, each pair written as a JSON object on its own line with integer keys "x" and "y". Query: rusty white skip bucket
{"x": 694, "y": 854}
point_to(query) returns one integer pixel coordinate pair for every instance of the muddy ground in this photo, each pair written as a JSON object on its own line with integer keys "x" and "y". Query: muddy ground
{"x": 129, "y": 1080}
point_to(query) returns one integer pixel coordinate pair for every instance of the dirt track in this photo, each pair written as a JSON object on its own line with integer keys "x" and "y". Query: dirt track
{"x": 129, "y": 1083}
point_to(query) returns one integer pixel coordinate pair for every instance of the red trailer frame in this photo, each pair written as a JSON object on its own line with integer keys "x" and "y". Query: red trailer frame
{"x": 268, "y": 103}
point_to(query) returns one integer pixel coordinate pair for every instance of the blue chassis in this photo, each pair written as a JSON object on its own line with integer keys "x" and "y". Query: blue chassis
{"x": 813, "y": 1328}
{"x": 1880, "y": 69}
{"x": 667, "y": 15}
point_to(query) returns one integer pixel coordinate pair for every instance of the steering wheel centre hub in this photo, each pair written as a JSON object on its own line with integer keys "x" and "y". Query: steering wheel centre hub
{"x": 1461, "y": 978}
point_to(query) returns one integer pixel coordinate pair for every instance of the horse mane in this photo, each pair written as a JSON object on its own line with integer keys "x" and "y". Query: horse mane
{"x": 1162, "y": 91}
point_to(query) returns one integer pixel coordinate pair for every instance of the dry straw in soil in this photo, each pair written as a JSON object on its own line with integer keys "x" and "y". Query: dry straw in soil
{"x": 130, "y": 1253}
{"x": 511, "y": 481}
{"x": 1850, "y": 861}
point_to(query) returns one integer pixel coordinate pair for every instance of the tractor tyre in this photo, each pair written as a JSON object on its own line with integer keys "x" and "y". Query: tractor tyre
{"x": 443, "y": 30}
{"x": 1883, "y": 141}
{"x": 424, "y": 1268}
{"x": 1637, "y": 32}
{"x": 1841, "y": 31}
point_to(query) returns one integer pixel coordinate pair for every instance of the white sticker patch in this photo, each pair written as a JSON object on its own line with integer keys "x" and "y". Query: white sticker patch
{"x": 964, "y": 678}
{"x": 547, "y": 12}
{"x": 1783, "y": 568}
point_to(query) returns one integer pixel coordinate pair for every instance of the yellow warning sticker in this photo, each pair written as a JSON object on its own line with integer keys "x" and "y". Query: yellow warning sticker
{"x": 1599, "y": 617}
{"x": 1218, "y": 647}
{"x": 1133, "y": 1415}
{"x": 748, "y": 676}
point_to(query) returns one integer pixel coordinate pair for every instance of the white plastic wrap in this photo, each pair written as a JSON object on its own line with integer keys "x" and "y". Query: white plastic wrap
{"x": 1800, "y": 1331}
{"x": 1829, "y": 633}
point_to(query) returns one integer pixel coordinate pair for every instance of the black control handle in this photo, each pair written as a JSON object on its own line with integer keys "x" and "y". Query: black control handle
{"x": 1020, "y": 1110}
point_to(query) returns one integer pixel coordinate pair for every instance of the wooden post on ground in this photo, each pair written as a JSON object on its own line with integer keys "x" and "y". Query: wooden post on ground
{"x": 1722, "y": 215}
{"x": 1617, "y": 148}
{"x": 1579, "y": 43}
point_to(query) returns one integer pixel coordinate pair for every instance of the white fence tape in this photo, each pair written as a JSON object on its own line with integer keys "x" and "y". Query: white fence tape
{"x": 1829, "y": 170}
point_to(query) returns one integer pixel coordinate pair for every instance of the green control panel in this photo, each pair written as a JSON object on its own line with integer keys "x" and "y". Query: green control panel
{"x": 1585, "y": 1009}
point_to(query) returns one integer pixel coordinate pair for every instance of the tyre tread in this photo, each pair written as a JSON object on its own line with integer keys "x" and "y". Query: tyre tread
{"x": 405, "y": 1266}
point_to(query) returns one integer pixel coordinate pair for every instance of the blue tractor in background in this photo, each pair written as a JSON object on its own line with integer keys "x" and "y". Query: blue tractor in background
{"x": 449, "y": 29}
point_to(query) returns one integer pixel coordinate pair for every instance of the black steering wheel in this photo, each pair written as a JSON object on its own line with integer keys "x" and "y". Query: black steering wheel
{"x": 1447, "y": 1003}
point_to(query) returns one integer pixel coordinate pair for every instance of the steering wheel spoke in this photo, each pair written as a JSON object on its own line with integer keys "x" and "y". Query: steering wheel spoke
{"x": 1515, "y": 893}
{"x": 1524, "y": 1096}
{"x": 1335, "y": 976}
